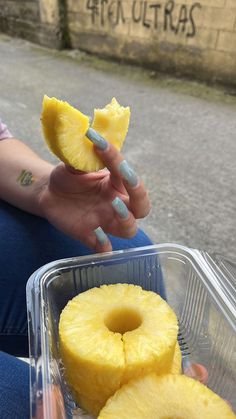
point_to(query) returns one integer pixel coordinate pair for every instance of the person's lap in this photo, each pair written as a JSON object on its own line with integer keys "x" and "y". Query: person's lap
{"x": 14, "y": 388}
{"x": 28, "y": 242}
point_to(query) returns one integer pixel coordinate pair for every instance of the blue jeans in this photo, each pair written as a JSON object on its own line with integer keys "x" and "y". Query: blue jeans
{"x": 28, "y": 242}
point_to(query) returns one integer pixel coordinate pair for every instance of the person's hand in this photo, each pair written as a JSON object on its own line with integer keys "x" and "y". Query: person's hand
{"x": 87, "y": 206}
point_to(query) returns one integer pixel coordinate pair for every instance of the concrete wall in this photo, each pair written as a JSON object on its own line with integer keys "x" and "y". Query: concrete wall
{"x": 183, "y": 36}
{"x": 35, "y": 20}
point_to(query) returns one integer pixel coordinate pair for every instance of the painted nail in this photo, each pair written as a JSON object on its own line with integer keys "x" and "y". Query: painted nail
{"x": 97, "y": 139}
{"x": 120, "y": 207}
{"x": 128, "y": 173}
{"x": 101, "y": 236}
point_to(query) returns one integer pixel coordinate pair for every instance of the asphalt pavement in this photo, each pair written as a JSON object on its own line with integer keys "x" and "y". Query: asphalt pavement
{"x": 181, "y": 141}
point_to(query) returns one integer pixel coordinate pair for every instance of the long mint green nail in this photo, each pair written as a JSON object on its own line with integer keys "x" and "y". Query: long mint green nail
{"x": 101, "y": 236}
{"x": 128, "y": 173}
{"x": 120, "y": 207}
{"x": 96, "y": 139}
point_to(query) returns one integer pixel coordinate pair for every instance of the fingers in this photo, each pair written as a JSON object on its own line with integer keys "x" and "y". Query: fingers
{"x": 102, "y": 243}
{"x": 97, "y": 240}
{"x": 139, "y": 203}
{"x": 125, "y": 225}
{"x": 121, "y": 224}
{"x": 123, "y": 178}
{"x": 112, "y": 158}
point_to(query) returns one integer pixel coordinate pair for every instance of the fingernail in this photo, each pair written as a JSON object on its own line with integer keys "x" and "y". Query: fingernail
{"x": 101, "y": 236}
{"x": 120, "y": 207}
{"x": 97, "y": 139}
{"x": 128, "y": 173}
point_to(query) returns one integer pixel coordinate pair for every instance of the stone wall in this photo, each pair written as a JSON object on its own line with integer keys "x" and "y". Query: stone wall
{"x": 187, "y": 37}
{"x": 184, "y": 36}
{"x": 35, "y": 20}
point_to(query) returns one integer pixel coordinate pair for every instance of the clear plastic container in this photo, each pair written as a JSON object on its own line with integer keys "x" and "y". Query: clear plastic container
{"x": 200, "y": 288}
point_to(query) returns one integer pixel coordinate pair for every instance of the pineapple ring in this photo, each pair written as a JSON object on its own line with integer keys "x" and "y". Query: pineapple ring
{"x": 111, "y": 334}
{"x": 95, "y": 405}
{"x": 167, "y": 396}
{"x": 65, "y": 128}
{"x": 176, "y": 367}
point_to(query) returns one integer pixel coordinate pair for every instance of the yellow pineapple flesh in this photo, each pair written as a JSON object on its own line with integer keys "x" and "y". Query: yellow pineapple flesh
{"x": 65, "y": 128}
{"x": 95, "y": 405}
{"x": 165, "y": 397}
{"x": 111, "y": 334}
{"x": 176, "y": 367}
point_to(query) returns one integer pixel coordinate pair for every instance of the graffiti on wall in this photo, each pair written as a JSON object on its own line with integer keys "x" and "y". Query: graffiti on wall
{"x": 168, "y": 16}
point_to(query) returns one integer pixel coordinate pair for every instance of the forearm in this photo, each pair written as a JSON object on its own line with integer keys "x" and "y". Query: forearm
{"x": 23, "y": 174}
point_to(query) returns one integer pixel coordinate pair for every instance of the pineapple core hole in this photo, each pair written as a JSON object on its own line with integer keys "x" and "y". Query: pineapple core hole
{"x": 123, "y": 320}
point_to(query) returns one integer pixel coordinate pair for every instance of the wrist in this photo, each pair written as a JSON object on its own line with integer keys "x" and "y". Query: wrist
{"x": 41, "y": 185}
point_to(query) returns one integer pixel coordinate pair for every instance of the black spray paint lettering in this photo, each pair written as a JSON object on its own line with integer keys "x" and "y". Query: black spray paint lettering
{"x": 148, "y": 15}
{"x": 183, "y": 20}
{"x": 103, "y": 2}
{"x": 104, "y": 10}
{"x": 93, "y": 6}
{"x": 168, "y": 20}
{"x": 115, "y": 12}
{"x": 139, "y": 13}
{"x": 186, "y": 16}
{"x": 156, "y": 8}
{"x": 194, "y": 6}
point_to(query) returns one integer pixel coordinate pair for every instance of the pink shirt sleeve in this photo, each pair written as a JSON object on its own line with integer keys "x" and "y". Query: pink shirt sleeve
{"x": 4, "y": 132}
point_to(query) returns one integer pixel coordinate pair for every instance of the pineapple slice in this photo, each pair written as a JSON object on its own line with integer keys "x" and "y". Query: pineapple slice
{"x": 165, "y": 397}
{"x": 111, "y": 334}
{"x": 95, "y": 405}
{"x": 176, "y": 367}
{"x": 65, "y": 129}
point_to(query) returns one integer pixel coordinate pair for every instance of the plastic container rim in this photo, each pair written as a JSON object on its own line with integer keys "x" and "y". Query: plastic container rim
{"x": 35, "y": 288}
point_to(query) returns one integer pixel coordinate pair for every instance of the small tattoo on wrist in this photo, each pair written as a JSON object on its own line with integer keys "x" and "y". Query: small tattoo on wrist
{"x": 26, "y": 178}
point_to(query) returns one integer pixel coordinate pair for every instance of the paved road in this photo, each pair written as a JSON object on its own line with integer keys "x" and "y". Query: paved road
{"x": 181, "y": 139}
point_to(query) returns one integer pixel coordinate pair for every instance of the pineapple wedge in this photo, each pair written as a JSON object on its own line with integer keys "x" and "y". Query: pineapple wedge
{"x": 111, "y": 334}
{"x": 165, "y": 397}
{"x": 176, "y": 367}
{"x": 65, "y": 128}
